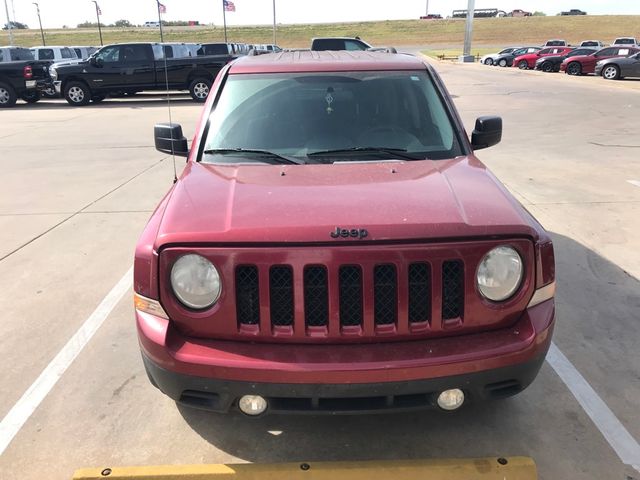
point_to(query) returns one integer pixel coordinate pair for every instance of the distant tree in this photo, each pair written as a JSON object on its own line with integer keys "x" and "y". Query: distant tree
{"x": 87, "y": 25}
{"x": 539, "y": 14}
{"x": 15, "y": 26}
{"x": 122, "y": 23}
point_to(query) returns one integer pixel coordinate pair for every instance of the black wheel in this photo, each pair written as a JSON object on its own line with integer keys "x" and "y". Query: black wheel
{"x": 574, "y": 68}
{"x": 50, "y": 93}
{"x": 523, "y": 65}
{"x": 488, "y": 61}
{"x": 98, "y": 98}
{"x": 77, "y": 94}
{"x": 502, "y": 62}
{"x": 611, "y": 72}
{"x": 199, "y": 89}
{"x": 8, "y": 96}
{"x": 547, "y": 67}
{"x": 31, "y": 96}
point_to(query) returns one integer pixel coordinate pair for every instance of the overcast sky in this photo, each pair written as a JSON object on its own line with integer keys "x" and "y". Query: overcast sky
{"x": 56, "y": 13}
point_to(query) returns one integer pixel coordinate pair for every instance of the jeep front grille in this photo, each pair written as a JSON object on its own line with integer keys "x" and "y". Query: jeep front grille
{"x": 377, "y": 291}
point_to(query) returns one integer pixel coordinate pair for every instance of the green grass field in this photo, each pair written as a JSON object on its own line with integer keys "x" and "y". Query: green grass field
{"x": 445, "y": 34}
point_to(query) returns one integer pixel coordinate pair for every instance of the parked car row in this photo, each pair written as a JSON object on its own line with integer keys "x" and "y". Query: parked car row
{"x": 620, "y": 60}
{"x": 81, "y": 76}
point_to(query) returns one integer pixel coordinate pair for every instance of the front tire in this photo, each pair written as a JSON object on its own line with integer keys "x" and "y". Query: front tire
{"x": 611, "y": 72}
{"x": 547, "y": 67}
{"x": 199, "y": 89}
{"x": 574, "y": 68}
{"x": 502, "y": 62}
{"x": 488, "y": 61}
{"x": 523, "y": 65}
{"x": 77, "y": 94}
{"x": 31, "y": 96}
{"x": 8, "y": 96}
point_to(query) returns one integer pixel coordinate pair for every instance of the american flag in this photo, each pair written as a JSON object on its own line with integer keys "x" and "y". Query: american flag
{"x": 162, "y": 8}
{"x": 229, "y": 6}
{"x": 99, "y": 10}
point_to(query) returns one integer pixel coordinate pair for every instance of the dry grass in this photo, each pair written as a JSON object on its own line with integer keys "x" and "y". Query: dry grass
{"x": 444, "y": 33}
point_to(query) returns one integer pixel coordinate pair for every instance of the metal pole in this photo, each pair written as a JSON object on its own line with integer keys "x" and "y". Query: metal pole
{"x": 40, "y": 22}
{"x": 468, "y": 32}
{"x": 274, "y": 22}
{"x": 224, "y": 20}
{"x": 98, "y": 17}
{"x": 426, "y": 12}
{"x": 160, "y": 21}
{"x": 9, "y": 24}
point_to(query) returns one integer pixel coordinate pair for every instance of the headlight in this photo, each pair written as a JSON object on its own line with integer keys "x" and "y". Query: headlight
{"x": 499, "y": 273}
{"x": 53, "y": 73}
{"x": 195, "y": 281}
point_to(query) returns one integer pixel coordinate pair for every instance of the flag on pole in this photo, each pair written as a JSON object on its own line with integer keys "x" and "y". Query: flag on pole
{"x": 229, "y": 6}
{"x": 162, "y": 8}
{"x": 99, "y": 10}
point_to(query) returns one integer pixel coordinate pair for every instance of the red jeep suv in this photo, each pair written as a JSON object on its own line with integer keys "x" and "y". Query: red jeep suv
{"x": 334, "y": 246}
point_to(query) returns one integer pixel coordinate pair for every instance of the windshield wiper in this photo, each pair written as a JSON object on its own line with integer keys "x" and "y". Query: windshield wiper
{"x": 394, "y": 152}
{"x": 273, "y": 158}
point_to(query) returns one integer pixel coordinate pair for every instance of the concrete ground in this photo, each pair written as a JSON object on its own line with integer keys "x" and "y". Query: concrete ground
{"x": 79, "y": 184}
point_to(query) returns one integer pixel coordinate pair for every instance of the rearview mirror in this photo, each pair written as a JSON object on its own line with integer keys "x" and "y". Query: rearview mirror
{"x": 488, "y": 132}
{"x": 169, "y": 139}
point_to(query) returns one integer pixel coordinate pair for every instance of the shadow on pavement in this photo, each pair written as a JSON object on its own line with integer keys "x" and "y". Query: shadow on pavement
{"x": 543, "y": 420}
{"x": 139, "y": 101}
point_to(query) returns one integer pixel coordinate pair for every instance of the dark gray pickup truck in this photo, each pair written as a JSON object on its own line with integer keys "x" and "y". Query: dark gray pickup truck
{"x": 22, "y": 79}
{"x": 135, "y": 67}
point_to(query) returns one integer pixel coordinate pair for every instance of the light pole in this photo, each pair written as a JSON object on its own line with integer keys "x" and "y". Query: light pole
{"x": 274, "y": 23}
{"x": 98, "y": 17}
{"x": 468, "y": 31}
{"x": 426, "y": 11}
{"x": 40, "y": 22}
{"x": 9, "y": 24}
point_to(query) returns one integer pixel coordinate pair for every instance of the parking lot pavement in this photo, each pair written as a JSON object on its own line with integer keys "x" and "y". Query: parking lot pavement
{"x": 80, "y": 184}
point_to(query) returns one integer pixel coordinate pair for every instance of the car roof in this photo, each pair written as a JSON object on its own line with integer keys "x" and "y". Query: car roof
{"x": 325, "y": 61}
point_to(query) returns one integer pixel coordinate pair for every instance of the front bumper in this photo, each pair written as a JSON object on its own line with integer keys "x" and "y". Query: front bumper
{"x": 598, "y": 70}
{"x": 212, "y": 374}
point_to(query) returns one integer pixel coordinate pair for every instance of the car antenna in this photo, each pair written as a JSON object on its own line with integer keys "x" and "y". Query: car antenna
{"x": 162, "y": 8}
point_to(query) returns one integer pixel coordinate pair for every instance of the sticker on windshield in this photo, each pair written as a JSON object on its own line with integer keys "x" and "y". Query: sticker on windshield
{"x": 329, "y": 99}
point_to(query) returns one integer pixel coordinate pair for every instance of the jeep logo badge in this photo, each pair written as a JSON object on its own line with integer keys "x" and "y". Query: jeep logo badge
{"x": 349, "y": 233}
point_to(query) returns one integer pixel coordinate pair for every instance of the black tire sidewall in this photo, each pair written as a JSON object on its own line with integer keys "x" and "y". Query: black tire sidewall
{"x": 85, "y": 88}
{"x": 13, "y": 98}
{"x": 192, "y": 86}
{"x": 577, "y": 72}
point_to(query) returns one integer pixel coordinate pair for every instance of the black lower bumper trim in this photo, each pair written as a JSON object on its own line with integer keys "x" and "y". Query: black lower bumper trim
{"x": 222, "y": 395}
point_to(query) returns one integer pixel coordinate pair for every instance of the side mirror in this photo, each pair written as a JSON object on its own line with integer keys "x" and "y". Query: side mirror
{"x": 169, "y": 139}
{"x": 96, "y": 62}
{"x": 487, "y": 133}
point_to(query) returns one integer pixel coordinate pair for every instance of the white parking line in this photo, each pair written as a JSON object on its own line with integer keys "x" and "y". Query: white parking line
{"x": 616, "y": 434}
{"x": 634, "y": 182}
{"x": 36, "y": 393}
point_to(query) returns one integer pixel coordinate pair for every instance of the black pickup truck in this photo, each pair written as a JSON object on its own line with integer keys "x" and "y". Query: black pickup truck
{"x": 135, "y": 67}
{"x": 22, "y": 79}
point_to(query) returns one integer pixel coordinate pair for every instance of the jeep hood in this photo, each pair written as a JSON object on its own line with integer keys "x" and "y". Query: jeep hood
{"x": 302, "y": 204}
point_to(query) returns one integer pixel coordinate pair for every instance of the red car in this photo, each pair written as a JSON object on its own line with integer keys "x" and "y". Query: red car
{"x": 528, "y": 61}
{"x": 333, "y": 245}
{"x": 585, "y": 64}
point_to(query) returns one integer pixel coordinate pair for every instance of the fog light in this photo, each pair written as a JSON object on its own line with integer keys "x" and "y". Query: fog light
{"x": 451, "y": 399}
{"x": 252, "y": 405}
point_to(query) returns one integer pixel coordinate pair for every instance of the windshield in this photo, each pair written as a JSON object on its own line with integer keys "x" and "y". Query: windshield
{"x": 625, "y": 41}
{"x": 299, "y": 114}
